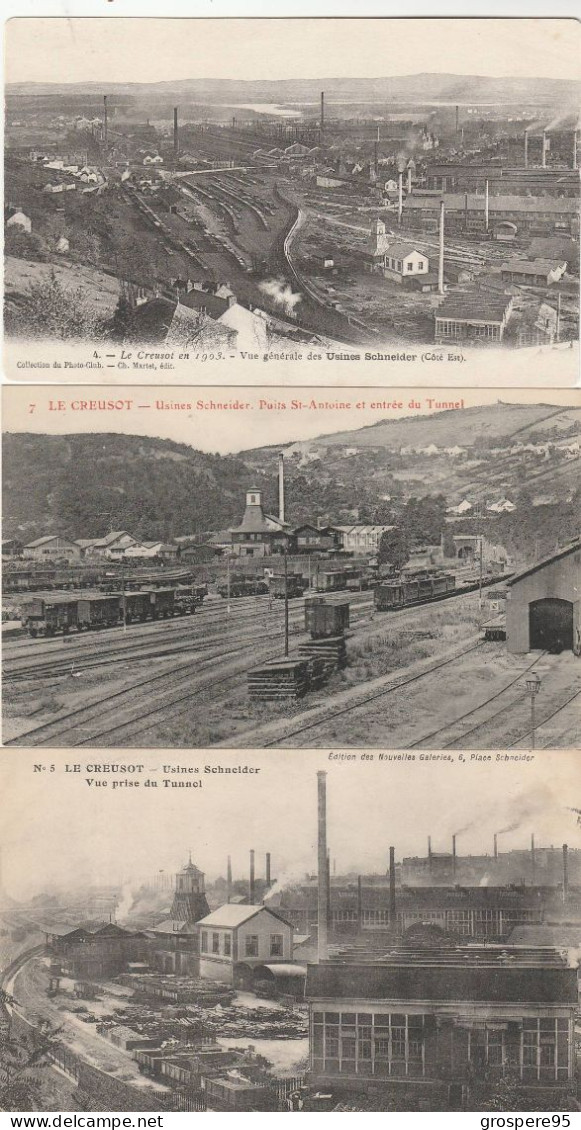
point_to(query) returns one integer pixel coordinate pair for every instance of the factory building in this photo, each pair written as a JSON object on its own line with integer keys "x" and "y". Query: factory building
{"x": 174, "y": 943}
{"x": 457, "y": 176}
{"x": 540, "y": 215}
{"x": 472, "y": 317}
{"x": 430, "y": 1024}
{"x": 259, "y": 534}
{"x": 235, "y": 938}
{"x": 543, "y": 608}
{"x": 94, "y": 953}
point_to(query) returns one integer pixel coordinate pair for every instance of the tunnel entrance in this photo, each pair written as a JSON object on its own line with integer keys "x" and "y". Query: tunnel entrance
{"x": 551, "y": 624}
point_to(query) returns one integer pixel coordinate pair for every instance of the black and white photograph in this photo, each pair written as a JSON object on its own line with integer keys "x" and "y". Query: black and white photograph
{"x": 234, "y": 934}
{"x": 227, "y": 569}
{"x": 219, "y": 191}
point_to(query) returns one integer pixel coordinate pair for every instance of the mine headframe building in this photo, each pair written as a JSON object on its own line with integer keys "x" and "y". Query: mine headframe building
{"x": 432, "y": 1025}
{"x": 543, "y": 608}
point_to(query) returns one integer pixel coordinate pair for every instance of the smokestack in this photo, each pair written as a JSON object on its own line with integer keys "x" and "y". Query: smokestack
{"x": 392, "y": 886}
{"x": 359, "y": 904}
{"x": 252, "y": 883}
{"x": 574, "y": 148}
{"x": 176, "y": 144}
{"x": 322, "y": 111}
{"x": 465, "y": 211}
{"x": 526, "y": 149}
{"x": 400, "y": 197}
{"x": 105, "y": 123}
{"x": 457, "y": 118}
{"x": 268, "y": 869}
{"x": 281, "y": 487}
{"x": 453, "y": 855}
{"x": 495, "y": 846}
{"x": 533, "y": 859}
{"x": 376, "y": 159}
{"x": 409, "y": 178}
{"x": 544, "y": 150}
{"x": 565, "y": 873}
{"x": 229, "y": 879}
{"x": 323, "y": 890}
{"x": 486, "y": 205}
{"x": 558, "y": 325}
{"x": 430, "y": 849}
{"x": 441, "y": 251}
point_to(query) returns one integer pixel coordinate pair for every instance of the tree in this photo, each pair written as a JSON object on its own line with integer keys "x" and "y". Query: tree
{"x": 50, "y": 311}
{"x": 394, "y": 548}
{"x": 425, "y": 518}
{"x": 24, "y": 244}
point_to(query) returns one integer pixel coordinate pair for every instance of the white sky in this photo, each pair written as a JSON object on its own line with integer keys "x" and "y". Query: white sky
{"x": 57, "y": 828}
{"x": 154, "y": 50}
{"x": 230, "y": 431}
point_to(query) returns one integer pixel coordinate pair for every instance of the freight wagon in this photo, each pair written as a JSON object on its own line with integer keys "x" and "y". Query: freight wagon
{"x": 162, "y": 602}
{"x": 294, "y": 584}
{"x": 245, "y": 586}
{"x": 399, "y": 593}
{"x": 98, "y": 611}
{"x": 331, "y": 580}
{"x": 45, "y": 616}
{"x": 325, "y": 620}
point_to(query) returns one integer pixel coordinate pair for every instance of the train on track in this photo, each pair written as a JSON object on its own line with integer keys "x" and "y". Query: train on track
{"x": 61, "y": 613}
{"x": 399, "y": 592}
{"x": 107, "y": 577}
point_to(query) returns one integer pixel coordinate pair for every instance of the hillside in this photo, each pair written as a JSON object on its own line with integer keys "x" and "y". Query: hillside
{"x": 84, "y": 485}
{"x": 422, "y": 88}
{"x": 468, "y": 427}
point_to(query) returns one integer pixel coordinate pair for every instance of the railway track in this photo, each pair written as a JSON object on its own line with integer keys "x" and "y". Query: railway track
{"x": 543, "y": 722}
{"x": 453, "y": 737}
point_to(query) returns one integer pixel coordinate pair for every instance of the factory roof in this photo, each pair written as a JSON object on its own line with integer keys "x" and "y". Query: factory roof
{"x": 475, "y": 306}
{"x": 573, "y": 547}
{"x": 533, "y": 266}
{"x": 381, "y": 981}
{"x": 48, "y": 537}
{"x": 284, "y": 970}
{"x": 230, "y": 915}
{"x": 457, "y": 201}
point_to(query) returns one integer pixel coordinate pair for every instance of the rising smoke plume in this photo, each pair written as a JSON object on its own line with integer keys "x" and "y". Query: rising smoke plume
{"x": 281, "y": 294}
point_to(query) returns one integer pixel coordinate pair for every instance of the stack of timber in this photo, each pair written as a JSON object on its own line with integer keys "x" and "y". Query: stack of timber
{"x": 281, "y": 680}
{"x": 333, "y": 650}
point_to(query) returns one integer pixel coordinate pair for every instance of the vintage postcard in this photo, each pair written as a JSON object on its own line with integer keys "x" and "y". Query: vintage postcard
{"x": 245, "y": 570}
{"x": 348, "y": 200}
{"x": 232, "y": 933}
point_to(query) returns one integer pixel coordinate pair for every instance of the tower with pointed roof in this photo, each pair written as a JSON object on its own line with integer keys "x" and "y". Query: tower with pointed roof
{"x": 189, "y": 902}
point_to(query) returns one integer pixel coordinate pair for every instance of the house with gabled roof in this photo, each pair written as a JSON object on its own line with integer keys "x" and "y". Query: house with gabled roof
{"x": 235, "y": 938}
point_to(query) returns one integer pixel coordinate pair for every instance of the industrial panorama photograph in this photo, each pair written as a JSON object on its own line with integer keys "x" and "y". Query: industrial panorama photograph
{"x": 416, "y": 951}
{"x": 398, "y": 574}
{"x": 190, "y": 183}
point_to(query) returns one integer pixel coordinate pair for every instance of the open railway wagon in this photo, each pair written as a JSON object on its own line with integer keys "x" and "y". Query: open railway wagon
{"x": 403, "y": 591}
{"x": 294, "y": 583}
{"x": 243, "y": 586}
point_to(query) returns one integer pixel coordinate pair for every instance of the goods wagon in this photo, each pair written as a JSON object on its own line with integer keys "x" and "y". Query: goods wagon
{"x": 295, "y": 584}
{"x": 137, "y": 606}
{"x": 331, "y": 580}
{"x": 45, "y": 616}
{"x": 324, "y": 620}
{"x": 244, "y": 586}
{"x": 162, "y": 602}
{"x": 98, "y": 611}
{"x": 186, "y": 601}
{"x": 389, "y": 595}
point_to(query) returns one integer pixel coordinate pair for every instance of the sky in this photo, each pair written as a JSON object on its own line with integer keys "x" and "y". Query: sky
{"x": 261, "y": 422}
{"x": 148, "y": 50}
{"x": 56, "y": 828}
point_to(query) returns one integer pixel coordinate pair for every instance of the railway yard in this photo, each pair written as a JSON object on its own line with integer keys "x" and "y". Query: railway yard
{"x": 183, "y": 682}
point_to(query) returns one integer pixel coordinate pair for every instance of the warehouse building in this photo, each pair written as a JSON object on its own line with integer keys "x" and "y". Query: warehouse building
{"x": 430, "y": 1024}
{"x": 472, "y": 317}
{"x": 537, "y": 215}
{"x": 543, "y": 608}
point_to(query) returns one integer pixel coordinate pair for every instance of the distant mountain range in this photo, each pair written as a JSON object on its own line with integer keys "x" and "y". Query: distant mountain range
{"x": 423, "y": 88}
